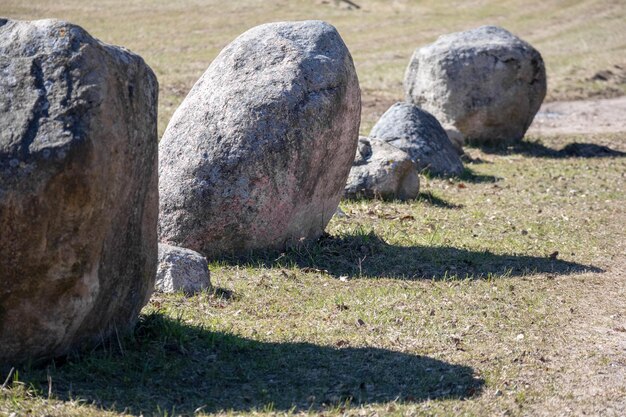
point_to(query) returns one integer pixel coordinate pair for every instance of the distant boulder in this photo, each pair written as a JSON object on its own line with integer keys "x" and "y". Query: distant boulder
{"x": 181, "y": 269}
{"x": 382, "y": 171}
{"x": 456, "y": 138}
{"x": 486, "y": 82}
{"x": 78, "y": 188}
{"x": 257, "y": 155}
{"x": 418, "y": 133}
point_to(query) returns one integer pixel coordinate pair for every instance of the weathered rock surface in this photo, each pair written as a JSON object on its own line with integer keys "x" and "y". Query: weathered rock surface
{"x": 181, "y": 269}
{"x": 382, "y": 171}
{"x": 78, "y": 188}
{"x": 257, "y": 155}
{"x": 486, "y": 82}
{"x": 418, "y": 133}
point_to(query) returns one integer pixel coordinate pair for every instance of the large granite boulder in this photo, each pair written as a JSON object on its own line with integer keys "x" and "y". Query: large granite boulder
{"x": 382, "y": 171}
{"x": 486, "y": 83}
{"x": 78, "y": 188}
{"x": 257, "y": 155}
{"x": 419, "y": 134}
{"x": 181, "y": 269}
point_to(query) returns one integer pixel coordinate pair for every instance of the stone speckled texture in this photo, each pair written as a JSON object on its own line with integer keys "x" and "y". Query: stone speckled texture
{"x": 78, "y": 188}
{"x": 382, "y": 171}
{"x": 181, "y": 269}
{"x": 257, "y": 155}
{"x": 486, "y": 82}
{"x": 419, "y": 134}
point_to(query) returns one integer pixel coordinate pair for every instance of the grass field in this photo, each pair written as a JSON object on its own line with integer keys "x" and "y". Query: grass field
{"x": 180, "y": 38}
{"x": 502, "y": 292}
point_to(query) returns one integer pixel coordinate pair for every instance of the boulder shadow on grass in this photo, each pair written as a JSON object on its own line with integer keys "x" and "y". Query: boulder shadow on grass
{"x": 432, "y": 200}
{"x": 536, "y": 149}
{"x": 169, "y": 366}
{"x": 365, "y": 255}
{"x": 471, "y": 176}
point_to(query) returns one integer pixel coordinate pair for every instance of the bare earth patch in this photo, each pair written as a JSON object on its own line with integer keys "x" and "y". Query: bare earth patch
{"x": 580, "y": 116}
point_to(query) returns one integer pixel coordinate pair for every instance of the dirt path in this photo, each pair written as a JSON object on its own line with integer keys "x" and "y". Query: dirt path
{"x": 583, "y": 116}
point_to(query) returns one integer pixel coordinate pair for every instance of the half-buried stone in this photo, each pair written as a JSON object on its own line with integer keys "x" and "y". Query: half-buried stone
{"x": 257, "y": 155}
{"x": 418, "y": 133}
{"x": 78, "y": 188}
{"x": 486, "y": 83}
{"x": 382, "y": 171}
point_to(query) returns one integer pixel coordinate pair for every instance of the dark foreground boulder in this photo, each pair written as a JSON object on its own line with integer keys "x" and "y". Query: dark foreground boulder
{"x": 419, "y": 134}
{"x": 486, "y": 83}
{"x": 382, "y": 171}
{"x": 257, "y": 155}
{"x": 78, "y": 188}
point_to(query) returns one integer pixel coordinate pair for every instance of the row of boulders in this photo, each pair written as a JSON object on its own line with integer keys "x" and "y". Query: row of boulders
{"x": 256, "y": 157}
{"x": 484, "y": 85}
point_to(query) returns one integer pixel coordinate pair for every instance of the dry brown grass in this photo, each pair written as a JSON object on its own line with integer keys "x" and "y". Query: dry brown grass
{"x": 444, "y": 306}
{"x": 179, "y": 38}
{"x": 448, "y": 305}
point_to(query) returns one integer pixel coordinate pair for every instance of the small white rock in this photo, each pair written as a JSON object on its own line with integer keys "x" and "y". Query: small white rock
{"x": 181, "y": 269}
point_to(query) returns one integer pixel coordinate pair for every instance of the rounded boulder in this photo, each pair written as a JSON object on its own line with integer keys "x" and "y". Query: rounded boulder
{"x": 418, "y": 133}
{"x": 257, "y": 155}
{"x": 486, "y": 83}
{"x": 382, "y": 171}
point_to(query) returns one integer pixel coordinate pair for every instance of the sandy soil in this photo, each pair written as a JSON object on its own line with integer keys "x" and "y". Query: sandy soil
{"x": 582, "y": 116}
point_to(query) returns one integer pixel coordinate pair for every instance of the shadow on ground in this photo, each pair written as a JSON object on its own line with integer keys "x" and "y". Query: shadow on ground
{"x": 432, "y": 200}
{"x": 365, "y": 255}
{"x": 170, "y": 366}
{"x": 573, "y": 150}
{"x": 469, "y": 175}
